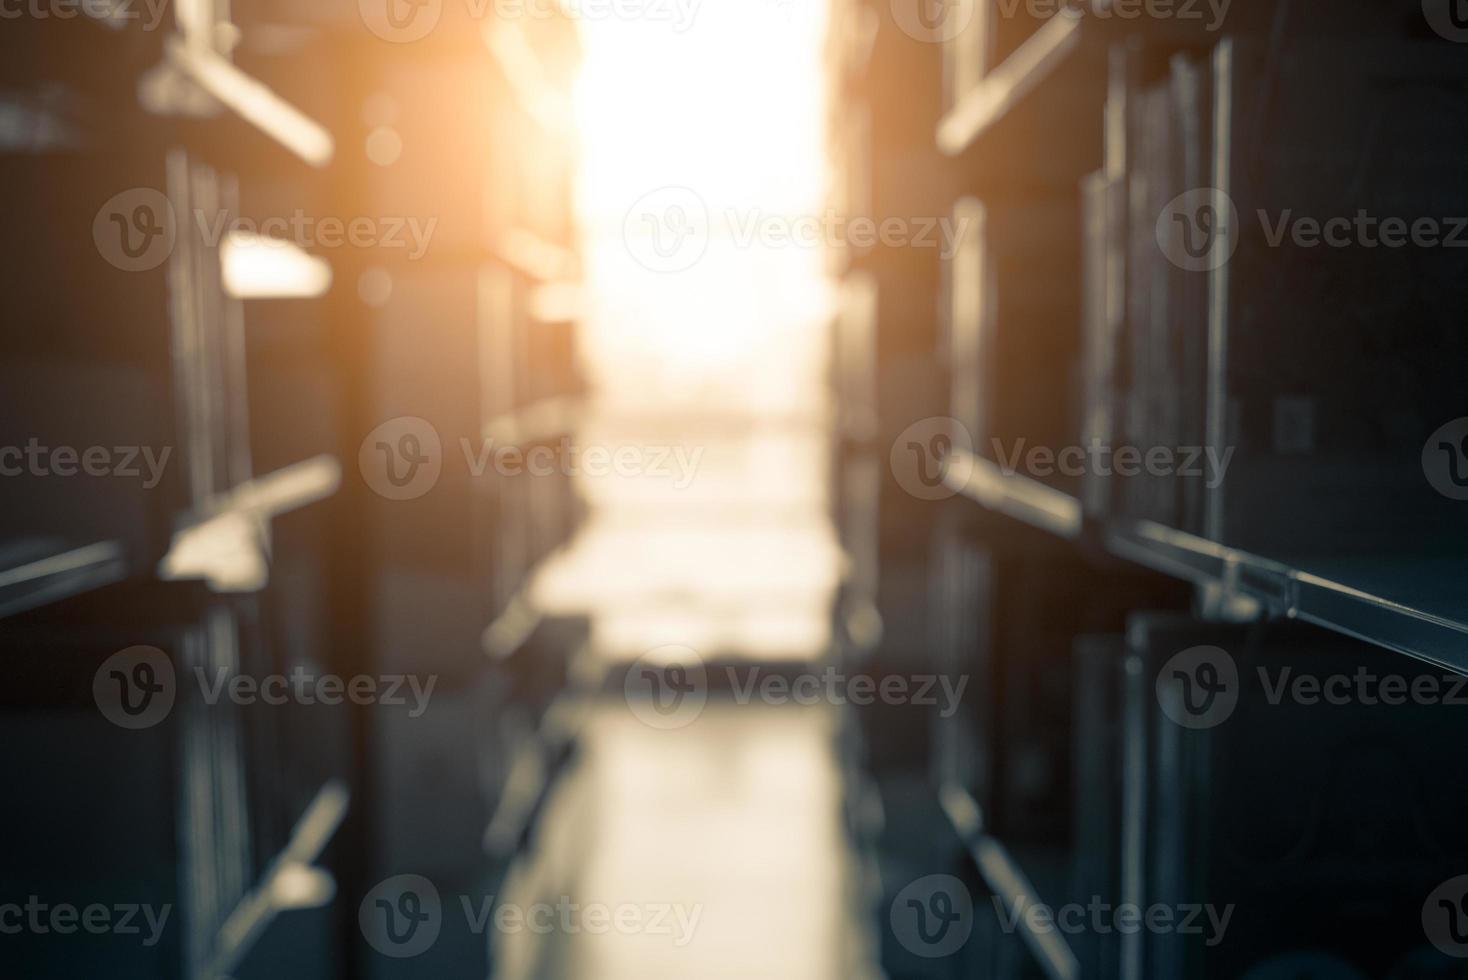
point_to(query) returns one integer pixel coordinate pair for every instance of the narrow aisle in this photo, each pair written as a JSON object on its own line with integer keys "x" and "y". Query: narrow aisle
{"x": 728, "y": 830}
{"x": 720, "y": 840}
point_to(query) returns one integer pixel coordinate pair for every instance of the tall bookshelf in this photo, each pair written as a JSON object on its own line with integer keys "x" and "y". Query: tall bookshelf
{"x": 264, "y": 367}
{"x": 1130, "y": 274}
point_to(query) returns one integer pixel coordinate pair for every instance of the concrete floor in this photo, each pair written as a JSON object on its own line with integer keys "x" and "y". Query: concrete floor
{"x": 722, "y": 840}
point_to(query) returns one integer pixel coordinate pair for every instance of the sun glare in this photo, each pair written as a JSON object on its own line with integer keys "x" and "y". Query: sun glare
{"x": 718, "y": 107}
{"x": 703, "y": 141}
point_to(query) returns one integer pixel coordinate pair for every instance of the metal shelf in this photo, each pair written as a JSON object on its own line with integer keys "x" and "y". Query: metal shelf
{"x": 1004, "y": 88}
{"x": 1019, "y": 497}
{"x": 1040, "y": 112}
{"x": 225, "y": 541}
{"x": 38, "y": 572}
{"x": 513, "y": 627}
{"x": 1410, "y": 606}
{"x": 538, "y": 422}
{"x": 539, "y": 761}
{"x": 535, "y": 258}
{"x": 528, "y": 77}
{"x": 290, "y": 882}
{"x": 1003, "y": 874}
{"x": 251, "y": 100}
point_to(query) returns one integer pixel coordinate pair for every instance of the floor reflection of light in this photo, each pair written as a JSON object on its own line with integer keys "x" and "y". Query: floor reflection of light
{"x": 746, "y": 804}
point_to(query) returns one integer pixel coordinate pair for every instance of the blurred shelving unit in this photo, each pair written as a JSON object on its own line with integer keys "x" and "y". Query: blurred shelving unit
{"x": 40, "y": 571}
{"x": 1398, "y": 604}
{"x": 464, "y": 126}
{"x": 1078, "y": 147}
{"x": 155, "y": 312}
{"x": 136, "y": 517}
